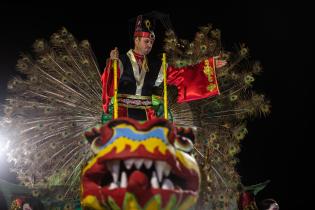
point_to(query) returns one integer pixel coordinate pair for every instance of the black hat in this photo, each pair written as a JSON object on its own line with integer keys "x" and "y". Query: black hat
{"x": 143, "y": 25}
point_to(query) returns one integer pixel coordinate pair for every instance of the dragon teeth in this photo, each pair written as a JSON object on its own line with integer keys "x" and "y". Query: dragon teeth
{"x": 148, "y": 163}
{"x": 112, "y": 186}
{"x": 114, "y": 166}
{"x": 161, "y": 167}
{"x": 123, "y": 180}
{"x": 129, "y": 162}
{"x": 167, "y": 170}
{"x": 154, "y": 181}
{"x": 167, "y": 184}
{"x": 139, "y": 163}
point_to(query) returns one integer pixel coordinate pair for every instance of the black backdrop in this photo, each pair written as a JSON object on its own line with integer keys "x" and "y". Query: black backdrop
{"x": 276, "y": 146}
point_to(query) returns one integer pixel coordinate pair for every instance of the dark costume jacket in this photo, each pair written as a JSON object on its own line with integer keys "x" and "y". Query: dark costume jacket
{"x": 134, "y": 87}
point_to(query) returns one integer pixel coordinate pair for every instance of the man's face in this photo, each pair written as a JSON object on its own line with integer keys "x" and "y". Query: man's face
{"x": 143, "y": 45}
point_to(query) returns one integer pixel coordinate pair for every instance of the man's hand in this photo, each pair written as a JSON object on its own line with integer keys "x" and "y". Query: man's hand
{"x": 220, "y": 63}
{"x": 114, "y": 54}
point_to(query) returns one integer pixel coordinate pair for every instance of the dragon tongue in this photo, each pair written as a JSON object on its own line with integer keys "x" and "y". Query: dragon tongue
{"x": 137, "y": 182}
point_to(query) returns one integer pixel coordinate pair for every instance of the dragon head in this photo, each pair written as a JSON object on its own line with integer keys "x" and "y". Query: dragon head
{"x": 140, "y": 166}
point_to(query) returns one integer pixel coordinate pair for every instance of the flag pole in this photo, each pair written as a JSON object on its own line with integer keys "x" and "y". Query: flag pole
{"x": 165, "y": 85}
{"x": 115, "y": 90}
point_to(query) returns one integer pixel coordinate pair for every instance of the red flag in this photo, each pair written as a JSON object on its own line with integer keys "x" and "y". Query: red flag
{"x": 194, "y": 82}
{"x": 108, "y": 84}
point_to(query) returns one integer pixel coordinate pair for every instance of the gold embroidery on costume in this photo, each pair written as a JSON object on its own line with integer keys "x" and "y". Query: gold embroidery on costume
{"x": 147, "y": 24}
{"x": 209, "y": 72}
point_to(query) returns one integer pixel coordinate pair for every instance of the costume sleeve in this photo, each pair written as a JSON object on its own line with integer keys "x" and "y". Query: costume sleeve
{"x": 194, "y": 82}
{"x": 160, "y": 77}
{"x": 108, "y": 83}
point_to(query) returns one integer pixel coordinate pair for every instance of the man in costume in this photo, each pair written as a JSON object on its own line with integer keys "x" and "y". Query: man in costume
{"x": 139, "y": 76}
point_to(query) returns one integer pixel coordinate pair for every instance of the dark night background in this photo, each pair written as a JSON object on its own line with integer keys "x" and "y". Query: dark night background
{"x": 276, "y": 147}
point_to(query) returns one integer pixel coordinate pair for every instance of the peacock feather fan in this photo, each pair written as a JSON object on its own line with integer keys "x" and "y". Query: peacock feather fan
{"x": 220, "y": 121}
{"x": 56, "y": 99}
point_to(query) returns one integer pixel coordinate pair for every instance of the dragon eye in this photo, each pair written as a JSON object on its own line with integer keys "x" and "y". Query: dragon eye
{"x": 98, "y": 137}
{"x": 183, "y": 143}
{"x": 185, "y": 139}
{"x": 96, "y": 145}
